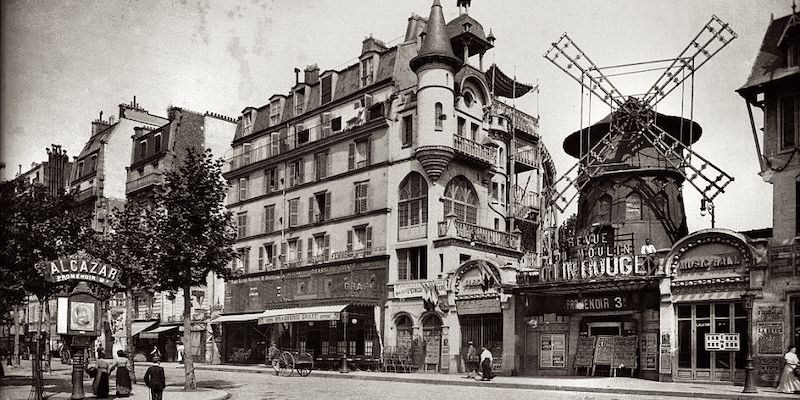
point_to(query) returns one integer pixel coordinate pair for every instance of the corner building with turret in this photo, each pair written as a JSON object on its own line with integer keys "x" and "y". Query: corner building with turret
{"x": 380, "y": 208}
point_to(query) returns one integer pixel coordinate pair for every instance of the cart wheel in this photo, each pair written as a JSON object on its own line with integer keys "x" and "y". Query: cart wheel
{"x": 305, "y": 368}
{"x": 285, "y": 364}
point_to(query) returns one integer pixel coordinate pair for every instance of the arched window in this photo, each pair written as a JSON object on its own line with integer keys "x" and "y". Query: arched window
{"x": 413, "y": 204}
{"x": 438, "y": 116}
{"x": 460, "y": 197}
{"x": 604, "y": 209}
{"x": 405, "y": 331}
{"x": 633, "y": 207}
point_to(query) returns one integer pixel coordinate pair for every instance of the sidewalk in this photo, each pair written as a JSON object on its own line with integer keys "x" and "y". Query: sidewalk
{"x": 619, "y": 385}
{"x": 16, "y": 384}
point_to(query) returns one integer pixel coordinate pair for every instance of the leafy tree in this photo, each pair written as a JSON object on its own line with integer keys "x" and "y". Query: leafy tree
{"x": 196, "y": 234}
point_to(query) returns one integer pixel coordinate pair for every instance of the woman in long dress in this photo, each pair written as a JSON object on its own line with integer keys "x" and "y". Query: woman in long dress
{"x": 100, "y": 383}
{"x": 122, "y": 365}
{"x": 486, "y": 364}
{"x": 789, "y": 382}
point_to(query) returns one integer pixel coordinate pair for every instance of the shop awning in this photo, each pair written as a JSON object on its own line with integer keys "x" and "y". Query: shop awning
{"x": 317, "y": 313}
{"x": 163, "y": 329}
{"x": 236, "y": 318}
{"x": 136, "y": 328}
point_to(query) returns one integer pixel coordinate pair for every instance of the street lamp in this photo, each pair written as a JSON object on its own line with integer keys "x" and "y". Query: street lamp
{"x": 708, "y": 205}
{"x": 749, "y": 379}
{"x": 345, "y": 320}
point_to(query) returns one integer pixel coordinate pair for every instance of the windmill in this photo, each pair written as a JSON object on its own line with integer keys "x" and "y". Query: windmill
{"x": 633, "y": 119}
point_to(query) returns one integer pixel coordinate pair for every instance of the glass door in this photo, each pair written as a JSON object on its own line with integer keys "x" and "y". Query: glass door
{"x": 694, "y": 322}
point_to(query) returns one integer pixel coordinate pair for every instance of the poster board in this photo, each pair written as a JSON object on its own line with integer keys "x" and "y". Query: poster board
{"x": 552, "y": 350}
{"x": 604, "y": 350}
{"x": 650, "y": 351}
{"x": 584, "y": 354}
{"x": 770, "y": 338}
{"x": 624, "y": 354}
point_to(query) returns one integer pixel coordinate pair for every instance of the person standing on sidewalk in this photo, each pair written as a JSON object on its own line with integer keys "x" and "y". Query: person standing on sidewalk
{"x": 470, "y": 360}
{"x": 180, "y": 350}
{"x": 155, "y": 380}
{"x": 789, "y": 383}
{"x": 486, "y": 364}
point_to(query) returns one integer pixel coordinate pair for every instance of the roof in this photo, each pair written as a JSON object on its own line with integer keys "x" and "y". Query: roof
{"x": 436, "y": 45}
{"x": 456, "y": 27}
{"x": 502, "y": 85}
{"x": 770, "y": 64}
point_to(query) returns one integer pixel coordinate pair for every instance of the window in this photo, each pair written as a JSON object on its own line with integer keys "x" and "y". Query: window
{"x": 474, "y": 132}
{"x": 359, "y": 239}
{"x": 321, "y": 165}
{"x": 412, "y": 263}
{"x": 241, "y": 225}
{"x": 461, "y": 198}
{"x": 275, "y": 143}
{"x": 94, "y": 163}
{"x": 246, "y": 152}
{"x": 270, "y": 180}
{"x": 327, "y": 89}
{"x": 439, "y": 116}
{"x": 79, "y": 170}
{"x": 302, "y": 135}
{"x": 319, "y": 247}
{"x": 408, "y": 130}
{"x": 604, "y": 209}
{"x": 296, "y": 172}
{"x": 244, "y": 259}
{"x": 797, "y": 206}
{"x": 244, "y": 184}
{"x": 336, "y": 124}
{"x": 790, "y": 119}
{"x": 294, "y": 251}
{"x": 359, "y": 154}
{"x": 157, "y": 143}
{"x": 633, "y": 207}
{"x": 299, "y": 102}
{"x": 269, "y": 218}
{"x": 462, "y": 124}
{"x": 275, "y": 112}
{"x": 143, "y": 149}
{"x": 247, "y": 123}
{"x": 319, "y": 207}
{"x": 360, "y": 199}
{"x": 495, "y": 191}
{"x": 294, "y": 205}
{"x": 367, "y": 71}
{"x": 412, "y": 209}
{"x": 793, "y": 55}
{"x": 266, "y": 256}
{"x": 697, "y": 320}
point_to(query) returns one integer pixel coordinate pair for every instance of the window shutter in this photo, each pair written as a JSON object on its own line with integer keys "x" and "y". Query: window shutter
{"x": 369, "y": 237}
{"x": 284, "y": 250}
{"x": 326, "y": 124}
{"x": 274, "y": 259}
{"x": 369, "y": 151}
{"x": 291, "y": 174}
{"x": 367, "y": 100}
{"x": 355, "y": 198}
{"x": 310, "y": 248}
{"x": 351, "y": 157}
{"x": 363, "y": 200}
{"x": 299, "y": 250}
{"x": 349, "y": 241}
{"x": 327, "y": 246}
{"x": 300, "y": 172}
{"x": 260, "y": 258}
{"x": 328, "y": 202}
{"x": 311, "y": 210}
{"x": 323, "y": 172}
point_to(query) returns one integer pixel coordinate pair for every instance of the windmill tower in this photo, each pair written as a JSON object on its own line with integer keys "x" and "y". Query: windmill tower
{"x": 633, "y": 163}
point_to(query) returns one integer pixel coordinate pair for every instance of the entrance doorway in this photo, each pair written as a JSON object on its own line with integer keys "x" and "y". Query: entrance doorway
{"x": 432, "y": 337}
{"x": 694, "y": 322}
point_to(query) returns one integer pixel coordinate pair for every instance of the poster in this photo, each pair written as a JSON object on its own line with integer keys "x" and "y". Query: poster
{"x": 81, "y": 316}
{"x": 770, "y": 338}
{"x": 650, "y": 353}
{"x": 781, "y": 260}
{"x": 770, "y": 368}
{"x": 624, "y": 352}
{"x": 604, "y": 350}
{"x": 585, "y": 351}
{"x": 552, "y": 353}
{"x": 665, "y": 354}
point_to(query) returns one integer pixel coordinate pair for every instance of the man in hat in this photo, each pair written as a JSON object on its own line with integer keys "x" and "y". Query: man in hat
{"x": 155, "y": 380}
{"x": 471, "y": 360}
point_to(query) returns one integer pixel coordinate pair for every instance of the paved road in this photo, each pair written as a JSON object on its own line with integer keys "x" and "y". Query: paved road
{"x": 245, "y": 386}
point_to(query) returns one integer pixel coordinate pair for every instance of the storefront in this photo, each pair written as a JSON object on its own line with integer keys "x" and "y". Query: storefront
{"x": 477, "y": 304}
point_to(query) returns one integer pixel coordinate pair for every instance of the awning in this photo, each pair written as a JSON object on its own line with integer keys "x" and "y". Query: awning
{"x": 163, "y": 329}
{"x": 136, "y": 328}
{"x": 317, "y": 313}
{"x": 235, "y": 318}
{"x": 505, "y": 86}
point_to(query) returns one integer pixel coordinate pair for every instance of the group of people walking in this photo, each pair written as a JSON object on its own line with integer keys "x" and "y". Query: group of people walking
{"x": 153, "y": 378}
{"x": 478, "y": 367}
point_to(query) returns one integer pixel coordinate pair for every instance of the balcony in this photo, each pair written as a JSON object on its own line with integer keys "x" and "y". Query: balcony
{"x": 153, "y": 178}
{"x": 412, "y": 232}
{"x": 526, "y": 157}
{"x": 479, "y": 234}
{"x": 519, "y": 120}
{"x": 334, "y": 256}
{"x": 86, "y": 194}
{"x": 526, "y": 204}
{"x": 474, "y": 152}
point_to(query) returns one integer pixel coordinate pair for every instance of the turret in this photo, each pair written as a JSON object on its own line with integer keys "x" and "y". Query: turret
{"x": 435, "y": 65}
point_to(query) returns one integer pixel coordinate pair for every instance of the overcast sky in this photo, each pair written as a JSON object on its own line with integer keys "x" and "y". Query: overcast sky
{"x": 64, "y": 61}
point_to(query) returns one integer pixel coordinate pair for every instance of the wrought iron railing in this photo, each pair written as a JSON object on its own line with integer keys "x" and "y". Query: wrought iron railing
{"x": 85, "y": 194}
{"x": 520, "y": 120}
{"x": 479, "y": 234}
{"x": 475, "y": 150}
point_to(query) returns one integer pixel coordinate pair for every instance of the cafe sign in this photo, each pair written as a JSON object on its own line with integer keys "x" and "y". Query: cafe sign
{"x": 415, "y": 289}
{"x": 79, "y": 267}
{"x": 312, "y": 316}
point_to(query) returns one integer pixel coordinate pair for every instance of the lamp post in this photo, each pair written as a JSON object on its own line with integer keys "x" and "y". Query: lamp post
{"x": 749, "y": 379}
{"x": 346, "y": 319}
{"x": 708, "y": 205}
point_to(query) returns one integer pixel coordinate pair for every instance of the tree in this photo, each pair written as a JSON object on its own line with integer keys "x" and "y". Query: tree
{"x": 196, "y": 233}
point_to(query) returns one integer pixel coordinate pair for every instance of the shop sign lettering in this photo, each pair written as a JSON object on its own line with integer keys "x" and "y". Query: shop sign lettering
{"x": 598, "y": 268}
{"x": 712, "y": 261}
{"x": 79, "y": 268}
{"x": 781, "y": 260}
{"x": 597, "y": 303}
{"x": 414, "y": 289}
{"x": 478, "y": 306}
{"x": 320, "y": 316}
{"x": 770, "y": 338}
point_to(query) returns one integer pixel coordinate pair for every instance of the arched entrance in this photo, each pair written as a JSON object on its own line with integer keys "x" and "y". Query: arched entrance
{"x": 432, "y": 338}
{"x": 405, "y": 331}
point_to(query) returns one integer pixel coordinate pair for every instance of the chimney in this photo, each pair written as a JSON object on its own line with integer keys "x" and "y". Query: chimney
{"x": 311, "y": 74}
{"x": 99, "y": 125}
{"x": 296, "y": 76}
{"x": 372, "y": 44}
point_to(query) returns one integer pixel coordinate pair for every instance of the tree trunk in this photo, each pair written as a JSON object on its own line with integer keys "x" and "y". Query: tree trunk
{"x": 16, "y": 335}
{"x": 48, "y": 331}
{"x": 129, "y": 328}
{"x": 36, "y": 358}
{"x": 188, "y": 360}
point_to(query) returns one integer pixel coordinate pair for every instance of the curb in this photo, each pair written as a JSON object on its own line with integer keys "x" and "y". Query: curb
{"x": 508, "y": 385}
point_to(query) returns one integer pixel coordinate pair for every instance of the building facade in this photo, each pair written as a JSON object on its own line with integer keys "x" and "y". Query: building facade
{"x": 380, "y": 206}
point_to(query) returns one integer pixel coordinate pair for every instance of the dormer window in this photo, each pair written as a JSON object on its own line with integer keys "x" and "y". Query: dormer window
{"x": 143, "y": 149}
{"x": 247, "y": 122}
{"x": 793, "y": 54}
{"x": 299, "y": 102}
{"x": 367, "y": 71}
{"x": 326, "y": 92}
{"x": 275, "y": 112}
{"x": 467, "y": 26}
{"x": 157, "y": 142}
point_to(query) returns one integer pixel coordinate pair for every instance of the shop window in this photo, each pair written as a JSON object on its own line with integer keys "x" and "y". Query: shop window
{"x": 604, "y": 209}
{"x": 695, "y": 321}
{"x": 412, "y": 263}
{"x": 413, "y": 205}
{"x": 633, "y": 207}
{"x": 460, "y": 197}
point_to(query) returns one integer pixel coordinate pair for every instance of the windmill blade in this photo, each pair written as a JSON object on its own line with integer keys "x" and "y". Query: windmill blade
{"x": 706, "y": 177}
{"x": 565, "y": 54}
{"x": 714, "y": 36}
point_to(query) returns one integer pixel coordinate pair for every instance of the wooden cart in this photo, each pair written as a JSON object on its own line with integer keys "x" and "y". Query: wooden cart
{"x": 289, "y": 361}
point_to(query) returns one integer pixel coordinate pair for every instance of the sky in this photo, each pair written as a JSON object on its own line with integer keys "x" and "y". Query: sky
{"x": 65, "y": 61}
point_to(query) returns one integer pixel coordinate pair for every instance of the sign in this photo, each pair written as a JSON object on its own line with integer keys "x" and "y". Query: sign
{"x": 478, "y": 306}
{"x": 769, "y": 313}
{"x": 624, "y": 352}
{"x": 552, "y": 353}
{"x": 722, "y": 342}
{"x": 585, "y": 351}
{"x": 781, "y": 260}
{"x": 473, "y": 276}
{"x": 665, "y": 354}
{"x": 598, "y": 268}
{"x": 598, "y": 303}
{"x": 604, "y": 350}
{"x": 315, "y": 316}
{"x": 81, "y": 316}
{"x": 770, "y": 338}
{"x": 650, "y": 351}
{"x": 79, "y": 268}
{"x": 415, "y": 289}
{"x": 710, "y": 255}
{"x": 770, "y": 368}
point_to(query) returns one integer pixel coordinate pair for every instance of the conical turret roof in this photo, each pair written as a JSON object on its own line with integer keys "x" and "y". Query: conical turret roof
{"x": 436, "y": 45}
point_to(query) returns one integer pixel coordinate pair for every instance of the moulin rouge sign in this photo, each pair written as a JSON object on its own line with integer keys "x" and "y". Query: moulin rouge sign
{"x": 79, "y": 268}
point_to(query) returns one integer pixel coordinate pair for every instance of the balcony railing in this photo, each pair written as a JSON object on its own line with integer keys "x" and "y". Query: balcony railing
{"x": 526, "y": 154}
{"x": 519, "y": 119}
{"x": 412, "y": 232}
{"x": 85, "y": 194}
{"x": 474, "y": 150}
{"x": 153, "y": 178}
{"x": 479, "y": 234}
{"x": 334, "y": 256}
{"x": 525, "y": 202}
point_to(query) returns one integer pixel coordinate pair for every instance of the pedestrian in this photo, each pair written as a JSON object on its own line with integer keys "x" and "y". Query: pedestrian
{"x": 100, "y": 382}
{"x": 471, "y": 360}
{"x": 155, "y": 380}
{"x": 789, "y": 383}
{"x": 486, "y": 364}
{"x": 100, "y": 353}
{"x": 180, "y": 349}
{"x": 155, "y": 352}
{"x": 122, "y": 365}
